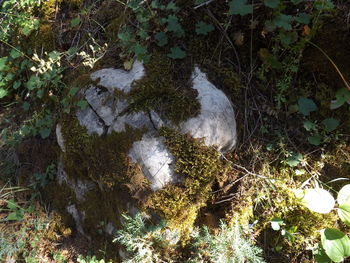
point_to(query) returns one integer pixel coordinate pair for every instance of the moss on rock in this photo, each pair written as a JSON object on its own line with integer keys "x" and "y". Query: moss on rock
{"x": 199, "y": 166}
{"x": 161, "y": 91}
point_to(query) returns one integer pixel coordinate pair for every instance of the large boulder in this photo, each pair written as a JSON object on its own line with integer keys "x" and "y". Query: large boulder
{"x": 107, "y": 134}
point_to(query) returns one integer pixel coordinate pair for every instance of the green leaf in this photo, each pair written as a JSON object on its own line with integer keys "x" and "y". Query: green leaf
{"x": 3, "y": 61}
{"x": 318, "y": 200}
{"x": 15, "y": 53}
{"x": 303, "y": 18}
{"x": 14, "y": 216}
{"x": 330, "y": 124}
{"x": 139, "y": 50}
{"x": 172, "y": 7}
{"x": 271, "y": 3}
{"x": 344, "y": 213}
{"x": 174, "y": 26}
{"x": 294, "y": 159}
{"x": 33, "y": 83}
{"x": 11, "y": 204}
{"x": 75, "y": 22}
{"x": 324, "y": 4}
{"x": 335, "y": 243}
{"x": 296, "y": 1}
{"x": 16, "y": 84}
{"x": 82, "y": 104}
{"x": 25, "y": 106}
{"x": 321, "y": 256}
{"x": 45, "y": 133}
{"x": 306, "y": 106}
{"x": 341, "y": 96}
{"x": 344, "y": 195}
{"x": 177, "y": 53}
{"x": 73, "y": 91}
{"x": 203, "y": 28}
{"x": 315, "y": 139}
{"x": 72, "y": 51}
{"x": 310, "y": 126}
{"x": 288, "y": 38}
{"x": 240, "y": 7}
{"x": 283, "y": 21}
{"x": 198, "y": 2}
{"x": 162, "y": 39}
{"x": 3, "y": 93}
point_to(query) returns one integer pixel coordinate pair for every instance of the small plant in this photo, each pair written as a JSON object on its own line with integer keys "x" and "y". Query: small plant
{"x": 145, "y": 244}
{"x": 228, "y": 246}
{"x": 90, "y": 259}
{"x": 335, "y": 243}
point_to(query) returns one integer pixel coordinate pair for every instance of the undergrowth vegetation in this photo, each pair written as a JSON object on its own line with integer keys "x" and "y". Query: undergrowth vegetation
{"x": 284, "y": 65}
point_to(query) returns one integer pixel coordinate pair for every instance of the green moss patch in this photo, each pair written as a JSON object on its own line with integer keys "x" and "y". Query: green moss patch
{"x": 200, "y": 166}
{"x": 164, "y": 91}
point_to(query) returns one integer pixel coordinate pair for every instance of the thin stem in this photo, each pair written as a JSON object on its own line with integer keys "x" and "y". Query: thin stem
{"x": 332, "y": 62}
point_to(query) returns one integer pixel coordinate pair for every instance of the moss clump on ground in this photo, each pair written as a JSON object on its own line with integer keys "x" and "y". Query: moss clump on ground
{"x": 261, "y": 201}
{"x": 199, "y": 166}
{"x": 160, "y": 90}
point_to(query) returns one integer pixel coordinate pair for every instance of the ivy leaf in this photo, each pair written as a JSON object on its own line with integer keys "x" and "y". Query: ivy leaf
{"x": 330, "y": 124}
{"x": 283, "y": 21}
{"x": 303, "y": 18}
{"x": 240, "y": 7}
{"x": 161, "y": 38}
{"x": 3, "y": 93}
{"x": 177, "y": 53}
{"x": 335, "y": 243}
{"x": 306, "y": 106}
{"x": 271, "y": 3}
{"x": 203, "y": 28}
{"x": 315, "y": 139}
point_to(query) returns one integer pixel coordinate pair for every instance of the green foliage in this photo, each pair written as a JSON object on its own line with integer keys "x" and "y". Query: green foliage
{"x": 306, "y": 106}
{"x": 228, "y": 246}
{"x": 148, "y": 243}
{"x": 203, "y": 28}
{"x": 176, "y": 53}
{"x": 240, "y": 7}
{"x": 40, "y": 180}
{"x": 335, "y": 243}
{"x": 89, "y": 259}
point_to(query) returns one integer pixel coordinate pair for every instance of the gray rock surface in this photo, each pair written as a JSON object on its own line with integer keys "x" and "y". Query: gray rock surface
{"x": 155, "y": 160}
{"x": 216, "y": 122}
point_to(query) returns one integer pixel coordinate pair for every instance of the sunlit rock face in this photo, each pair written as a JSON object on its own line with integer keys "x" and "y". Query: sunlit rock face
{"x": 107, "y": 113}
